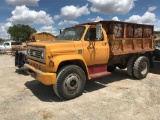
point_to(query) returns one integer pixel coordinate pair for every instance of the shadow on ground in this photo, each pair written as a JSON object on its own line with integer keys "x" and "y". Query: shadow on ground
{"x": 156, "y": 68}
{"x": 21, "y": 71}
{"x": 46, "y": 93}
{"x": 42, "y": 92}
{"x": 102, "y": 82}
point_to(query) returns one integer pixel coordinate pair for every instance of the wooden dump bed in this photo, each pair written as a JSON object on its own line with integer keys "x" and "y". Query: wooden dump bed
{"x": 125, "y": 38}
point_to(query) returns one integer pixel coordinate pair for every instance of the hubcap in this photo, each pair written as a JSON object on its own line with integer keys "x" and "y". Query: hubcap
{"x": 71, "y": 83}
{"x": 144, "y": 68}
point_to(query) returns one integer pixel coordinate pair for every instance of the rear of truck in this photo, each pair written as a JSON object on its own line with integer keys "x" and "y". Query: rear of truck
{"x": 131, "y": 47}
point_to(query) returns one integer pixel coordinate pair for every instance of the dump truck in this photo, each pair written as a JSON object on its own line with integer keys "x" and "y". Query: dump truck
{"x": 90, "y": 50}
{"x": 20, "y": 54}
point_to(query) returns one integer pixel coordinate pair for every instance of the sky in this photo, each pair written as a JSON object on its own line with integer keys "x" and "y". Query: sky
{"x": 52, "y": 15}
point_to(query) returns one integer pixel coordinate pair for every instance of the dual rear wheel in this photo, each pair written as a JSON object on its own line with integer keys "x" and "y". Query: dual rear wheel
{"x": 138, "y": 67}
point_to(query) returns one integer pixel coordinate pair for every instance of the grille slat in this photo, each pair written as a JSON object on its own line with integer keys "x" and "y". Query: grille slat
{"x": 36, "y": 53}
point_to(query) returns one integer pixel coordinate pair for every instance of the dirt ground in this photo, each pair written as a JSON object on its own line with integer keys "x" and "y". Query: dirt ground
{"x": 115, "y": 97}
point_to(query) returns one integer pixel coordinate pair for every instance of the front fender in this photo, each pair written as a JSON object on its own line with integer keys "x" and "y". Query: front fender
{"x": 62, "y": 58}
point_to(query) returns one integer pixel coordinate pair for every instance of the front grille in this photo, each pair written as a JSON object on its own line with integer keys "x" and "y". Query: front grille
{"x": 35, "y": 53}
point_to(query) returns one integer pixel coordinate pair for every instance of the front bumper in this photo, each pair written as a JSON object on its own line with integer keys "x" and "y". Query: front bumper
{"x": 45, "y": 78}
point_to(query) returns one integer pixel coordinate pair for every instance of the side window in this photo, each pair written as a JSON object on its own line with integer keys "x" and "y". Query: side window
{"x": 91, "y": 35}
{"x": 6, "y": 44}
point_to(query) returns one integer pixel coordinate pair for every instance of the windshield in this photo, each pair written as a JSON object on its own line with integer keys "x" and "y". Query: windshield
{"x": 73, "y": 33}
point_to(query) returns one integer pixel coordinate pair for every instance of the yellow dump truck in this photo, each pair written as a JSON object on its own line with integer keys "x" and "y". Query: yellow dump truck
{"x": 90, "y": 50}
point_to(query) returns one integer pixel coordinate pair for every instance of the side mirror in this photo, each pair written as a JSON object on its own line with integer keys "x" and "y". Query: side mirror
{"x": 98, "y": 31}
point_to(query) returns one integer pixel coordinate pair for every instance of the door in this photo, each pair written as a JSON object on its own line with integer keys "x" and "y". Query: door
{"x": 95, "y": 51}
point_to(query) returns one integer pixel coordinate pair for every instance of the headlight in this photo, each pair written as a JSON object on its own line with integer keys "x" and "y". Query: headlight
{"x": 42, "y": 55}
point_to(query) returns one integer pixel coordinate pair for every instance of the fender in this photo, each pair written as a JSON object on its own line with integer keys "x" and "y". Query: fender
{"x": 62, "y": 58}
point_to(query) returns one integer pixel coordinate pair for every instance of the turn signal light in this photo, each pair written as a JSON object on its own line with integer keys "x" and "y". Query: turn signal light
{"x": 51, "y": 63}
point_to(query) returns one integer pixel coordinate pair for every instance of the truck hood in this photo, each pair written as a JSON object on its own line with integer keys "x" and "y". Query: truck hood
{"x": 58, "y": 46}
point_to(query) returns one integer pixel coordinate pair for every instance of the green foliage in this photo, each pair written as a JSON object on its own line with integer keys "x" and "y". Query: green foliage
{"x": 156, "y": 32}
{"x": 20, "y": 31}
{"x": 1, "y": 40}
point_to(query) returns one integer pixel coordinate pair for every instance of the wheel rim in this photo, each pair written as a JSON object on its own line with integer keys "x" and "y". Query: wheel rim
{"x": 71, "y": 83}
{"x": 144, "y": 68}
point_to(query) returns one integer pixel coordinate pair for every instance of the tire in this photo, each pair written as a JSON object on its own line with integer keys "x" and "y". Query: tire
{"x": 71, "y": 81}
{"x": 141, "y": 67}
{"x": 111, "y": 68}
{"x": 19, "y": 60}
{"x": 130, "y": 65}
{"x": 16, "y": 58}
{"x": 122, "y": 66}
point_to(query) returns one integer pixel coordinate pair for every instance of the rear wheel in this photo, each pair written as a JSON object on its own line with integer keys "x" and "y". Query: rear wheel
{"x": 70, "y": 83}
{"x": 130, "y": 65}
{"x": 141, "y": 67}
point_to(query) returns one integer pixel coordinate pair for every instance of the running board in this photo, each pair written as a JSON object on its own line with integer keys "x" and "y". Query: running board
{"x": 98, "y": 71}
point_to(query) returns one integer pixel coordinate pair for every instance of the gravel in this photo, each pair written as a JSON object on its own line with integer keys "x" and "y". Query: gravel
{"x": 115, "y": 97}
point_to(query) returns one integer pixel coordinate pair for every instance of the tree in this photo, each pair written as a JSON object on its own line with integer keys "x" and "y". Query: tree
{"x": 20, "y": 31}
{"x": 1, "y": 40}
{"x": 156, "y": 32}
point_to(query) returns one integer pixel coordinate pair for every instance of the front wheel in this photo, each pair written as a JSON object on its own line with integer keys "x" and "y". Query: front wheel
{"x": 70, "y": 83}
